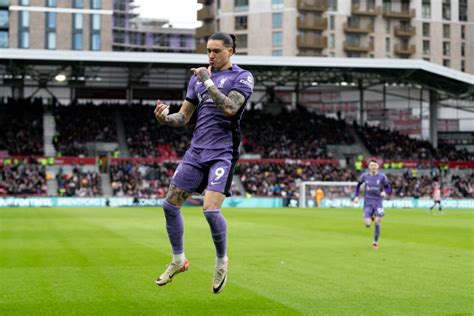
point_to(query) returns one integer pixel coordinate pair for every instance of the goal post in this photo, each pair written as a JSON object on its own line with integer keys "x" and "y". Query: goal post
{"x": 340, "y": 191}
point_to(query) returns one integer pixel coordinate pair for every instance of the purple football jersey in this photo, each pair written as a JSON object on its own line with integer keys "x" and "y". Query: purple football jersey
{"x": 374, "y": 185}
{"x": 214, "y": 130}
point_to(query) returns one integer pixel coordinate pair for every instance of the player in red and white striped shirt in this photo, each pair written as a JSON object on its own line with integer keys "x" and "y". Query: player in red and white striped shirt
{"x": 436, "y": 197}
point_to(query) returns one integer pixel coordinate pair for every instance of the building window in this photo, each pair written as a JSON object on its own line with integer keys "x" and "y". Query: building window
{"x": 426, "y": 29}
{"x": 77, "y": 26}
{"x": 387, "y": 44}
{"x": 95, "y": 22}
{"x": 332, "y": 5}
{"x": 182, "y": 41}
{"x": 241, "y": 40}
{"x": 50, "y": 20}
{"x": 426, "y": 9}
{"x": 277, "y": 52}
{"x": 95, "y": 32}
{"x": 332, "y": 22}
{"x": 24, "y": 34}
{"x": 463, "y": 10}
{"x": 463, "y": 49}
{"x": 50, "y": 30}
{"x": 426, "y": 47}
{"x": 332, "y": 41}
{"x": 277, "y": 4}
{"x": 95, "y": 41}
{"x": 277, "y": 20}
{"x": 446, "y": 10}
{"x": 50, "y": 40}
{"x": 24, "y": 39}
{"x": 4, "y": 18}
{"x": 463, "y": 65}
{"x": 446, "y": 48}
{"x": 426, "y": 59}
{"x": 277, "y": 39}
{"x": 463, "y": 32}
{"x": 24, "y": 19}
{"x": 446, "y": 30}
{"x": 387, "y": 26}
{"x": 78, "y": 3}
{"x": 446, "y": 63}
{"x": 241, "y": 22}
{"x": 241, "y": 5}
{"x": 51, "y": 3}
{"x": 96, "y": 4}
{"x": 24, "y": 2}
{"x": 3, "y": 39}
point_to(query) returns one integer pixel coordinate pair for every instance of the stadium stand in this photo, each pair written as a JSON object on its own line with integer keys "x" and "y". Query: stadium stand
{"x": 78, "y": 183}
{"x": 22, "y": 178}
{"x": 21, "y": 126}
{"x": 393, "y": 145}
{"x": 141, "y": 179}
{"x": 71, "y": 136}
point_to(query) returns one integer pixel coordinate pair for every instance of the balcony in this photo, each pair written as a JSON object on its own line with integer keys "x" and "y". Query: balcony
{"x": 405, "y": 31}
{"x": 403, "y": 14}
{"x": 405, "y": 50}
{"x": 357, "y": 10}
{"x": 315, "y": 43}
{"x": 312, "y": 6}
{"x": 352, "y": 47}
{"x": 358, "y": 28}
{"x": 205, "y": 30}
{"x": 206, "y": 13}
{"x": 312, "y": 24}
{"x": 206, "y": 2}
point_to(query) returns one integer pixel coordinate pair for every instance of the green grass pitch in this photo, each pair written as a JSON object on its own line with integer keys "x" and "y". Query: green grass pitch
{"x": 282, "y": 262}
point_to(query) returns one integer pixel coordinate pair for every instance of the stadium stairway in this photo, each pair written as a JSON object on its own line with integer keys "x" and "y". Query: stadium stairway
{"x": 106, "y": 186}
{"x": 122, "y": 140}
{"x": 362, "y": 149}
{"x": 49, "y": 129}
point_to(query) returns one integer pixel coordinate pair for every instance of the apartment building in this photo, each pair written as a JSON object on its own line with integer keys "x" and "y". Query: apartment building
{"x": 93, "y": 25}
{"x": 440, "y": 31}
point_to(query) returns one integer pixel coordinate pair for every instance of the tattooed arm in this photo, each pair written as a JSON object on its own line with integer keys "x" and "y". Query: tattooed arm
{"x": 230, "y": 104}
{"x": 177, "y": 119}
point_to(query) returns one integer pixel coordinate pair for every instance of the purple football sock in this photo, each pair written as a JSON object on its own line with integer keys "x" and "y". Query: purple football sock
{"x": 174, "y": 226}
{"x": 218, "y": 227}
{"x": 376, "y": 232}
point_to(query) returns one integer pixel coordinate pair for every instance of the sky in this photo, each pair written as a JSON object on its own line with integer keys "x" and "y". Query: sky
{"x": 181, "y": 13}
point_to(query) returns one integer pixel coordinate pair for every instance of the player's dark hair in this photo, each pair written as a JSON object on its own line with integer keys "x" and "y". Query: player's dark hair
{"x": 228, "y": 39}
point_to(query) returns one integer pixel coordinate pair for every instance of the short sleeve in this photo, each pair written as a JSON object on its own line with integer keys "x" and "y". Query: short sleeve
{"x": 191, "y": 95}
{"x": 244, "y": 84}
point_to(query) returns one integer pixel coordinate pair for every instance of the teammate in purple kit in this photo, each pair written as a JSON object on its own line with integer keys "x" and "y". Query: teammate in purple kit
{"x": 219, "y": 93}
{"x": 376, "y": 188}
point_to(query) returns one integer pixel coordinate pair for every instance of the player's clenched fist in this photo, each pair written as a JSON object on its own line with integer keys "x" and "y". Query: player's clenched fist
{"x": 161, "y": 111}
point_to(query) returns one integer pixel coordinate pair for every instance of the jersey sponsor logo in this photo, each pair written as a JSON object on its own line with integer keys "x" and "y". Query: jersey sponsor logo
{"x": 248, "y": 81}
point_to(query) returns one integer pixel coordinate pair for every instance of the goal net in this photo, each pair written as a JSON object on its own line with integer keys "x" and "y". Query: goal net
{"x": 335, "y": 194}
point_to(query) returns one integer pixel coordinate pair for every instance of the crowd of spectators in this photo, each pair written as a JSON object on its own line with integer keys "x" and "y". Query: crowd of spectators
{"x": 141, "y": 180}
{"x": 21, "y": 126}
{"x": 296, "y": 134}
{"x": 79, "y": 183}
{"x": 393, "y": 145}
{"x": 144, "y": 134}
{"x": 464, "y": 185}
{"x": 78, "y": 124}
{"x": 272, "y": 179}
{"x": 23, "y": 178}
